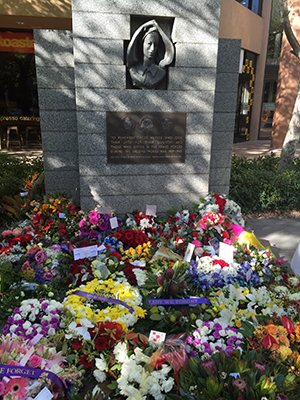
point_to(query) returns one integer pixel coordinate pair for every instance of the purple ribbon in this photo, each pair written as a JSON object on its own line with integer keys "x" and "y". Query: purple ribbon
{"x": 199, "y": 300}
{"x": 12, "y": 370}
{"x": 100, "y": 298}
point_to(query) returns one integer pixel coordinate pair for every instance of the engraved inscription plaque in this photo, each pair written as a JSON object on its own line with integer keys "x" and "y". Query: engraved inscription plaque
{"x": 145, "y": 138}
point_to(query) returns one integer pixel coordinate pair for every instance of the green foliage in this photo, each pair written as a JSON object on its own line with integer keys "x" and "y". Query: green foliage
{"x": 258, "y": 187}
{"x": 14, "y": 172}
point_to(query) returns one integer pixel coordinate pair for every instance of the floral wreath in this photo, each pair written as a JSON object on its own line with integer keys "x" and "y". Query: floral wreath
{"x": 79, "y": 307}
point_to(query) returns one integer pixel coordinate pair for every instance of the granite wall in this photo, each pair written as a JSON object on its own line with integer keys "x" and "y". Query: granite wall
{"x": 73, "y": 117}
{"x": 56, "y": 90}
{"x": 224, "y": 114}
{"x": 100, "y": 30}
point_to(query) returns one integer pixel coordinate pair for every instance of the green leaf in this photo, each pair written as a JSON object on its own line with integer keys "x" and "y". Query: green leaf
{"x": 156, "y": 317}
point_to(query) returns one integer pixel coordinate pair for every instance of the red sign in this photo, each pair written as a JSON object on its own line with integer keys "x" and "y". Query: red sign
{"x": 21, "y": 42}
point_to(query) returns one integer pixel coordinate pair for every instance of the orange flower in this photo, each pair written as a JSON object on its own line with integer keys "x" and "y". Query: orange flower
{"x": 271, "y": 329}
{"x": 283, "y": 340}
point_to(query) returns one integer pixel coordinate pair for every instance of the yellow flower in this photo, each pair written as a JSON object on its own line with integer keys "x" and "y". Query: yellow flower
{"x": 140, "y": 313}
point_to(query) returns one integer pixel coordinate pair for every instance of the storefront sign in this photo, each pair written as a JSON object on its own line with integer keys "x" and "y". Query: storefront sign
{"x": 21, "y": 42}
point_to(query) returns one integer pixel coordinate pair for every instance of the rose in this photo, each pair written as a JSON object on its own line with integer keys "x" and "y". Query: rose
{"x": 32, "y": 250}
{"x": 40, "y": 257}
{"x": 35, "y": 361}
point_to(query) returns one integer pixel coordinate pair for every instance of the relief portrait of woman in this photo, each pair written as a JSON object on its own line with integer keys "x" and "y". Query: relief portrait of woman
{"x": 149, "y": 52}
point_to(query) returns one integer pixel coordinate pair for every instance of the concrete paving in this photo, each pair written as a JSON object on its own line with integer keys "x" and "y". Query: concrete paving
{"x": 282, "y": 235}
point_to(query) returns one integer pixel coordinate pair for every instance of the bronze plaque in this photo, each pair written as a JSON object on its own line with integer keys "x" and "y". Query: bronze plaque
{"x": 145, "y": 138}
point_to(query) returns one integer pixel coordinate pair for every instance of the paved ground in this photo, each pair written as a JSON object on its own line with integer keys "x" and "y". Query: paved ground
{"x": 282, "y": 235}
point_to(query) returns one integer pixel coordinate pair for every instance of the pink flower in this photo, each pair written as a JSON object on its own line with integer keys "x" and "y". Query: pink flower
{"x": 82, "y": 223}
{"x": 17, "y": 232}
{"x": 261, "y": 366}
{"x": 94, "y": 214}
{"x": 17, "y": 387}
{"x": 40, "y": 350}
{"x": 281, "y": 396}
{"x": 210, "y": 365}
{"x": 56, "y": 247}
{"x": 2, "y": 388}
{"x": 240, "y": 384}
{"x": 7, "y": 233}
{"x": 13, "y": 362}
{"x": 40, "y": 257}
{"x": 48, "y": 275}
{"x": 94, "y": 221}
{"x": 227, "y": 241}
{"x": 197, "y": 243}
{"x": 35, "y": 361}
{"x": 32, "y": 250}
{"x": 26, "y": 266}
{"x": 1, "y": 351}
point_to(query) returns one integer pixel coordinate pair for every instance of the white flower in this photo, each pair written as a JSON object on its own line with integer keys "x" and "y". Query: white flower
{"x": 100, "y": 376}
{"x": 120, "y": 352}
{"x": 100, "y": 363}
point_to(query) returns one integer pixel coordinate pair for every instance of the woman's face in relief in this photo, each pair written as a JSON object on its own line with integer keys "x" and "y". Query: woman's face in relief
{"x": 150, "y": 45}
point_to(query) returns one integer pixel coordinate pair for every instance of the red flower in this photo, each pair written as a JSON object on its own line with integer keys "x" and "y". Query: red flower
{"x": 101, "y": 343}
{"x": 268, "y": 341}
{"x": 225, "y": 235}
{"x": 287, "y": 324}
{"x": 84, "y": 361}
{"x": 77, "y": 345}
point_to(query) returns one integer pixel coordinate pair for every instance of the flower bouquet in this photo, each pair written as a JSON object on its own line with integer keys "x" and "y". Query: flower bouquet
{"x": 93, "y": 302}
{"x": 34, "y": 317}
{"x": 28, "y": 367}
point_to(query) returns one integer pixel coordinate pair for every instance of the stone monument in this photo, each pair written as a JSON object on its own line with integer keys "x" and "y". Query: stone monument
{"x": 137, "y": 103}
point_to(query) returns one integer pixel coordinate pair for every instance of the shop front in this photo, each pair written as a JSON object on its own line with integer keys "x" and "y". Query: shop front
{"x": 19, "y": 112}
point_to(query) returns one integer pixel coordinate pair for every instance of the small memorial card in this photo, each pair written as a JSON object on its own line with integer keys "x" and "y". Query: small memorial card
{"x": 85, "y": 252}
{"x": 189, "y": 252}
{"x": 44, "y": 394}
{"x": 23, "y": 194}
{"x": 101, "y": 248}
{"x": 62, "y": 215}
{"x": 235, "y": 374}
{"x": 226, "y": 252}
{"x": 151, "y": 210}
{"x": 157, "y": 337}
{"x": 114, "y": 223}
{"x": 104, "y": 210}
{"x": 215, "y": 244}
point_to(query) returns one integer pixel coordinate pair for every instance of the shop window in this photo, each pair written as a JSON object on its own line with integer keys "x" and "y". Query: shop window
{"x": 245, "y": 97}
{"x": 19, "y": 111}
{"x": 253, "y": 5}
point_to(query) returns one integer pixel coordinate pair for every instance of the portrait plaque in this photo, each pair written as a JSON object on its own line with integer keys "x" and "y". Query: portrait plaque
{"x": 145, "y": 138}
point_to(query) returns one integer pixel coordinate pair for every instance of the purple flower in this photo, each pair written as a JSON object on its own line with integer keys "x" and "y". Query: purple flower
{"x": 17, "y": 310}
{"x": 10, "y": 320}
{"x": 5, "y": 329}
{"x": 40, "y": 257}
{"x": 197, "y": 341}
{"x": 45, "y": 323}
{"x": 84, "y": 231}
{"x": 54, "y": 320}
{"x": 93, "y": 233}
{"x": 193, "y": 353}
{"x": 217, "y": 327}
{"x": 228, "y": 350}
{"x": 103, "y": 225}
{"x": 231, "y": 340}
{"x": 44, "y": 306}
{"x": 207, "y": 348}
{"x": 189, "y": 340}
{"x": 216, "y": 335}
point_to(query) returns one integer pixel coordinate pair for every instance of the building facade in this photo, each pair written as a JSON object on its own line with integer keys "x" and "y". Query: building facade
{"x": 247, "y": 20}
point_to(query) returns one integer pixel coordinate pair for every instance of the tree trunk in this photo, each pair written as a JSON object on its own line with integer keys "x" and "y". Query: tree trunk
{"x": 292, "y": 137}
